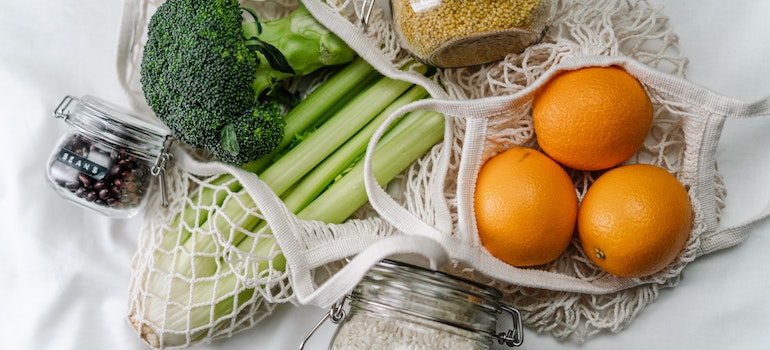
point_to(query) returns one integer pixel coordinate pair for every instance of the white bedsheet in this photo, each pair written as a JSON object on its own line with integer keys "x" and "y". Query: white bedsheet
{"x": 64, "y": 271}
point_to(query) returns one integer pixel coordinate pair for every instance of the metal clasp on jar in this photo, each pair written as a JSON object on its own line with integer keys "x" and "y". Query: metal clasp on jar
{"x": 366, "y": 11}
{"x": 336, "y": 314}
{"x": 61, "y": 109}
{"x": 512, "y": 337}
{"x": 159, "y": 169}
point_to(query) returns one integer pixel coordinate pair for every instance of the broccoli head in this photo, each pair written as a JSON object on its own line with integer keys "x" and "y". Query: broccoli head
{"x": 207, "y": 73}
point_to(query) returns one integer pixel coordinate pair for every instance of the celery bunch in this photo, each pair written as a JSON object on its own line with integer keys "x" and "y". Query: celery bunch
{"x": 191, "y": 293}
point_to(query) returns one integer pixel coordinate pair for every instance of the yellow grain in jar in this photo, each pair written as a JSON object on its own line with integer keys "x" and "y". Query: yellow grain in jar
{"x": 457, "y": 33}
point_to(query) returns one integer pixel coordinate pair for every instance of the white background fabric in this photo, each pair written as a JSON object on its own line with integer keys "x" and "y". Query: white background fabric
{"x": 64, "y": 270}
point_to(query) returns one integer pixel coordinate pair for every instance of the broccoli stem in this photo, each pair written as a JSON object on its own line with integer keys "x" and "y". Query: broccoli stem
{"x": 305, "y": 45}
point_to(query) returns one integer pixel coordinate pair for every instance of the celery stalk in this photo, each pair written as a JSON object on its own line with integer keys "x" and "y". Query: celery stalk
{"x": 288, "y": 169}
{"x": 404, "y": 144}
{"x": 342, "y": 161}
{"x": 325, "y": 173}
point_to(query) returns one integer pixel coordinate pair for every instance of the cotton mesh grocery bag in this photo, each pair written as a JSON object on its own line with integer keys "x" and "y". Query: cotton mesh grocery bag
{"x": 427, "y": 211}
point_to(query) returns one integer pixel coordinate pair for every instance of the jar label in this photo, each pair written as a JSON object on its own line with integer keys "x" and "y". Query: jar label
{"x": 424, "y": 5}
{"x": 81, "y": 164}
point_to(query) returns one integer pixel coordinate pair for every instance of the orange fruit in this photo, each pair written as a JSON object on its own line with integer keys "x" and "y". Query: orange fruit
{"x": 526, "y": 207}
{"x": 634, "y": 220}
{"x": 592, "y": 118}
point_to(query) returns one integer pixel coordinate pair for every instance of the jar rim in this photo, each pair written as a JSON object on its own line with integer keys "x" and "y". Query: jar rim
{"x": 114, "y": 125}
{"x": 443, "y": 279}
{"x": 124, "y": 116}
{"x": 402, "y": 287}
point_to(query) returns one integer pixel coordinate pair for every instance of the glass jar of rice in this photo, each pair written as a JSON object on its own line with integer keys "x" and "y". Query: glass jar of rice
{"x": 401, "y": 306}
{"x": 458, "y": 33}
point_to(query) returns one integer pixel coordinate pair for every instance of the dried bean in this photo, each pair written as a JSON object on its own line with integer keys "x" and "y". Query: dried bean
{"x": 84, "y": 179}
{"x": 114, "y": 170}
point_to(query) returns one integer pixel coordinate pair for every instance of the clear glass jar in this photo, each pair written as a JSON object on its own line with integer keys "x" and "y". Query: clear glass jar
{"x": 401, "y": 306}
{"x": 108, "y": 158}
{"x": 458, "y": 33}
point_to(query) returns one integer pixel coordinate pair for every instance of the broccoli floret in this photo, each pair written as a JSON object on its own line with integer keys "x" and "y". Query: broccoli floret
{"x": 245, "y": 137}
{"x": 208, "y": 74}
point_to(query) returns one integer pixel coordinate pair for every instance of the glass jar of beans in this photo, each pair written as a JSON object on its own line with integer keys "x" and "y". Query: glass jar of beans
{"x": 459, "y": 33}
{"x": 108, "y": 159}
{"x": 402, "y": 306}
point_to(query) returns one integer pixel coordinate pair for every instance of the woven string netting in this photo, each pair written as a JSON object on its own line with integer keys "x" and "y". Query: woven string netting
{"x": 244, "y": 271}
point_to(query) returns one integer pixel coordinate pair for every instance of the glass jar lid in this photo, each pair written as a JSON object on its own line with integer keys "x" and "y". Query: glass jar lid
{"x": 436, "y": 296}
{"x": 429, "y": 295}
{"x": 113, "y": 125}
{"x": 415, "y": 276}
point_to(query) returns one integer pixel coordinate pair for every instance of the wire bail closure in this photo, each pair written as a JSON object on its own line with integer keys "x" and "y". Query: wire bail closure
{"x": 336, "y": 314}
{"x": 515, "y": 336}
{"x": 159, "y": 169}
{"x": 366, "y": 12}
{"x": 61, "y": 109}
